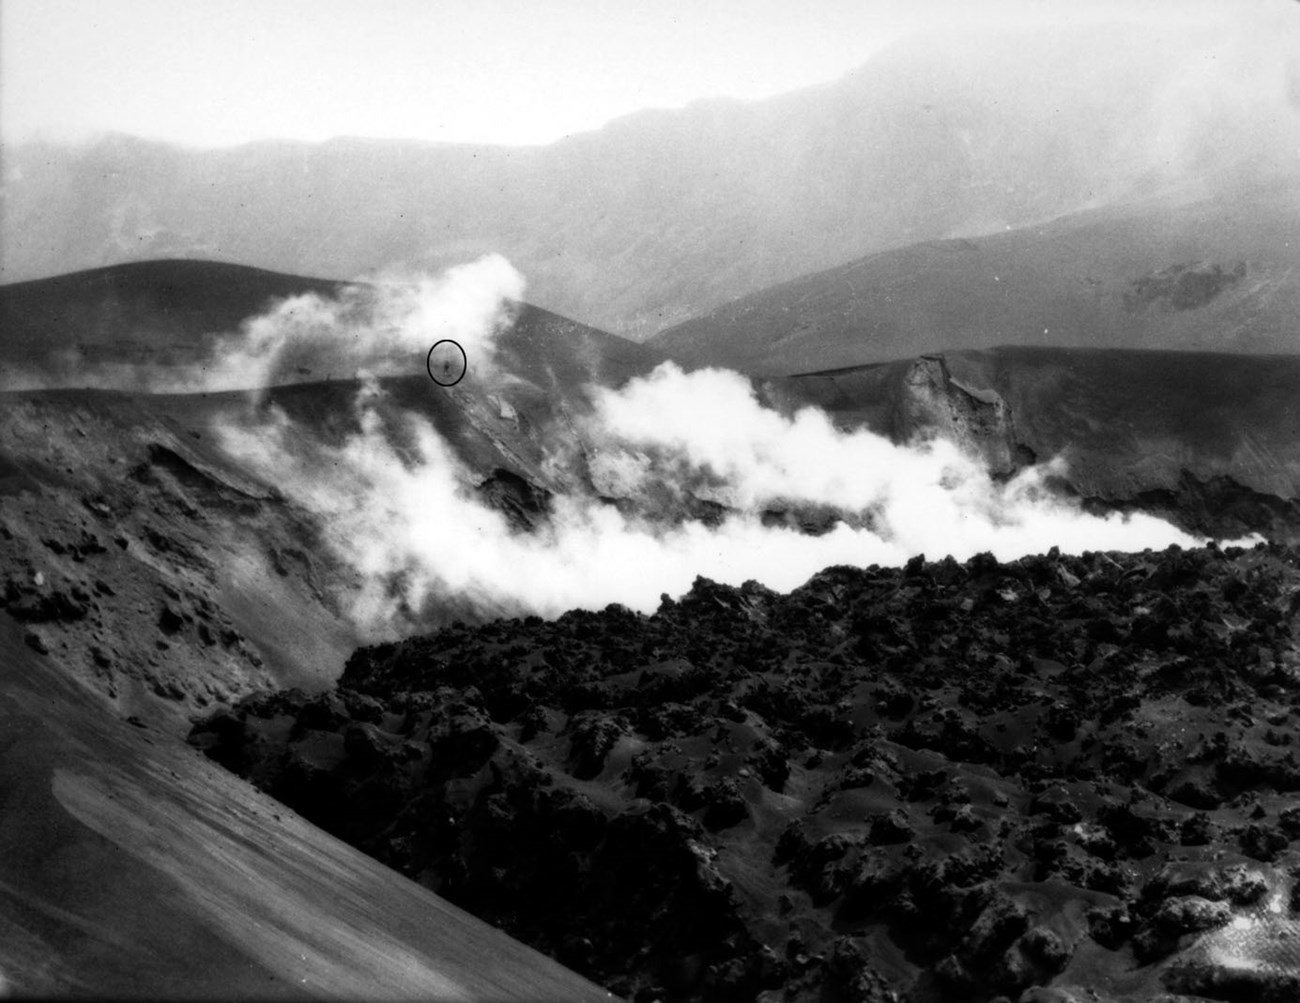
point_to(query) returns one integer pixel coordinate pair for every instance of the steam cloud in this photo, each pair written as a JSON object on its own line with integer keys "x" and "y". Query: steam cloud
{"x": 398, "y": 504}
{"x": 375, "y": 327}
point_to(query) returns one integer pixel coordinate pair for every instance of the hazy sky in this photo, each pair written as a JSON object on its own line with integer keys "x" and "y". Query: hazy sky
{"x": 216, "y": 72}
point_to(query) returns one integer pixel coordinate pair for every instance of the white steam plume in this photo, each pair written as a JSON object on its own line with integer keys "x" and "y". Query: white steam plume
{"x": 373, "y": 328}
{"x": 410, "y": 522}
{"x": 379, "y": 328}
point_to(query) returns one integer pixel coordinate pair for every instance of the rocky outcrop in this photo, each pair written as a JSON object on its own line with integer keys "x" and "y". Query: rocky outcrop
{"x": 932, "y": 403}
{"x": 523, "y": 503}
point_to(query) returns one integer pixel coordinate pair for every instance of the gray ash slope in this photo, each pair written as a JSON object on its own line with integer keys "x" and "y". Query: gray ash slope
{"x": 1205, "y": 273}
{"x": 135, "y": 545}
{"x": 130, "y": 868}
{"x": 147, "y": 577}
{"x": 1058, "y": 779}
{"x": 1210, "y": 441}
{"x": 155, "y": 307}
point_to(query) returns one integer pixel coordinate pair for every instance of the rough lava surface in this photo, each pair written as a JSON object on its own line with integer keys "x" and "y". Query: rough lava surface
{"x": 1063, "y": 778}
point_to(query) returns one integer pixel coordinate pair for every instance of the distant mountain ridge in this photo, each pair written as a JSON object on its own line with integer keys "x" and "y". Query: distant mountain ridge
{"x": 1217, "y": 274}
{"x": 664, "y": 215}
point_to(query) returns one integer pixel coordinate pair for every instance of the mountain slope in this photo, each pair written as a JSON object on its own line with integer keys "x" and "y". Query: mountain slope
{"x": 1219, "y": 274}
{"x": 150, "y": 575}
{"x": 162, "y": 559}
{"x": 663, "y": 215}
{"x": 145, "y": 324}
{"x": 131, "y": 868}
{"x": 201, "y": 558}
{"x": 1209, "y": 440}
{"x": 156, "y": 304}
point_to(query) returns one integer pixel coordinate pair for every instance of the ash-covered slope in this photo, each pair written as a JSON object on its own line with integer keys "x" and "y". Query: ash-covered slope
{"x": 177, "y": 300}
{"x": 135, "y": 543}
{"x": 149, "y": 565}
{"x": 131, "y": 868}
{"x": 1208, "y": 439}
{"x": 160, "y": 312}
{"x": 148, "y": 575}
{"x": 1216, "y": 274}
{"x": 1070, "y": 777}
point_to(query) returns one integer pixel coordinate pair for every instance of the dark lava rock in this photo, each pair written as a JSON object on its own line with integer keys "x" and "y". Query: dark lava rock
{"x": 1195, "y": 794}
{"x": 920, "y": 783}
{"x": 1288, "y": 820}
{"x": 169, "y": 621}
{"x": 1111, "y": 927}
{"x": 891, "y": 827}
{"x": 1191, "y": 914}
{"x": 33, "y": 604}
{"x": 725, "y": 807}
{"x": 593, "y": 735}
{"x": 1263, "y": 842}
{"x": 1203, "y": 979}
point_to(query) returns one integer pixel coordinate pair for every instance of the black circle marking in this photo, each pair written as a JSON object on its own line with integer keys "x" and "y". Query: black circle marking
{"x": 450, "y": 366}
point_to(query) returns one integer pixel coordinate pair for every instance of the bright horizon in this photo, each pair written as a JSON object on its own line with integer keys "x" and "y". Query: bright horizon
{"x": 224, "y": 72}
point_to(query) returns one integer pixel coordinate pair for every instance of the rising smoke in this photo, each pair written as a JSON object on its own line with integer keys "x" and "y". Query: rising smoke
{"x": 373, "y": 328}
{"x": 376, "y": 327}
{"x": 398, "y": 504}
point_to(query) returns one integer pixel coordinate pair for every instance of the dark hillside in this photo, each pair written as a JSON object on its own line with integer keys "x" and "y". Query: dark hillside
{"x": 136, "y": 325}
{"x": 1125, "y": 421}
{"x": 145, "y": 308}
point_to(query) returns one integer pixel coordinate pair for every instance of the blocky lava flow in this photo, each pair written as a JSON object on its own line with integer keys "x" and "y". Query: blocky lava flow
{"x": 1061, "y": 778}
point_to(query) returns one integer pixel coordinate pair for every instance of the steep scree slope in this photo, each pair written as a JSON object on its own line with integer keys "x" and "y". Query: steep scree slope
{"x": 132, "y": 868}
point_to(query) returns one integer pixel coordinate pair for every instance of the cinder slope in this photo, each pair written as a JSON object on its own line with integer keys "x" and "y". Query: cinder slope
{"x": 132, "y": 543}
{"x": 145, "y": 577}
{"x": 131, "y": 326}
{"x": 129, "y": 866}
{"x": 144, "y": 311}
